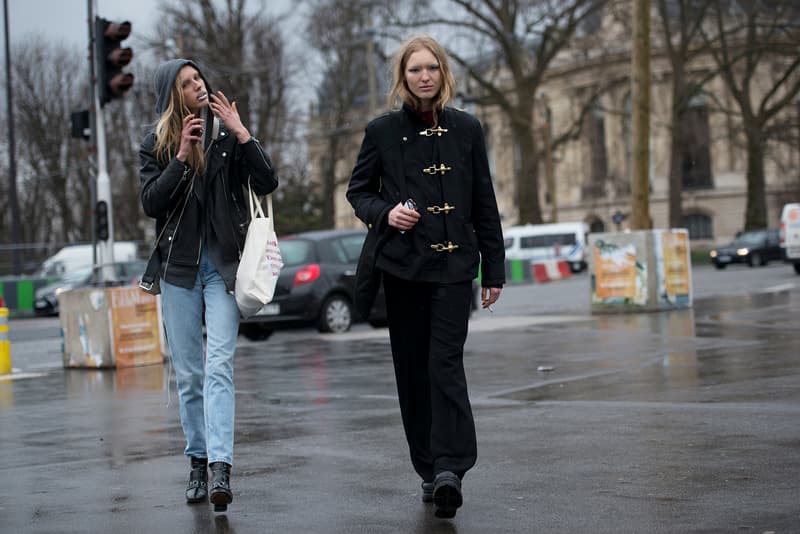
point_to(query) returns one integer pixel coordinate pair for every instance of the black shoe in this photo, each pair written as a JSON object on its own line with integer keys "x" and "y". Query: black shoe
{"x": 446, "y": 494}
{"x": 221, "y": 494}
{"x": 196, "y": 490}
{"x": 427, "y": 491}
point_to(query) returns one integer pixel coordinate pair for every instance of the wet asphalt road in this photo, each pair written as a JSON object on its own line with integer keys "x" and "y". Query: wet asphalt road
{"x": 683, "y": 421}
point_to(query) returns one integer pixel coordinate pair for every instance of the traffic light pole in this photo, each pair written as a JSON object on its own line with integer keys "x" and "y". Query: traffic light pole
{"x": 104, "y": 248}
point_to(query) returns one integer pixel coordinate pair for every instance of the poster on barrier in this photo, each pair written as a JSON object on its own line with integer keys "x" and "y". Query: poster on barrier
{"x": 618, "y": 276}
{"x": 135, "y": 334}
{"x": 674, "y": 270}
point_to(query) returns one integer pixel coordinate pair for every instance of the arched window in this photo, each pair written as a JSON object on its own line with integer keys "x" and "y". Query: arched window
{"x": 699, "y": 225}
{"x": 596, "y": 136}
{"x": 694, "y": 138}
{"x": 626, "y": 135}
{"x": 596, "y": 224}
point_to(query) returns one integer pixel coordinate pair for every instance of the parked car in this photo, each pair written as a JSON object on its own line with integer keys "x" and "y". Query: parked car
{"x": 755, "y": 248}
{"x": 316, "y": 286}
{"x": 46, "y": 297}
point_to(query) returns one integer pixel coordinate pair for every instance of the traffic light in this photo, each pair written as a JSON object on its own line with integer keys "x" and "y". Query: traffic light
{"x": 101, "y": 220}
{"x": 110, "y": 58}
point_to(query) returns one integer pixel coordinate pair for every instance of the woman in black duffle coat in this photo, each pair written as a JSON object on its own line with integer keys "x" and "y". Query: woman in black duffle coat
{"x": 423, "y": 187}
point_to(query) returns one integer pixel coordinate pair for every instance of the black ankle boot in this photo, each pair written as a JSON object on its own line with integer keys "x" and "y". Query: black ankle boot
{"x": 221, "y": 494}
{"x": 196, "y": 490}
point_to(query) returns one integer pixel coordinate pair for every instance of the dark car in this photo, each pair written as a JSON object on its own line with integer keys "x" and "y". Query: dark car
{"x": 316, "y": 286}
{"x": 125, "y": 272}
{"x": 754, "y": 247}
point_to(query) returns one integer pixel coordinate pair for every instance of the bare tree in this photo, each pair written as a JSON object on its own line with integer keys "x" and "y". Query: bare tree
{"x": 242, "y": 52}
{"x": 521, "y": 39}
{"x": 53, "y": 171}
{"x": 341, "y": 32}
{"x": 755, "y": 44}
{"x": 681, "y": 23}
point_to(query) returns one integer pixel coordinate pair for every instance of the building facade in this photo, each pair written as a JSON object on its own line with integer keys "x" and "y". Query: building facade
{"x": 591, "y": 172}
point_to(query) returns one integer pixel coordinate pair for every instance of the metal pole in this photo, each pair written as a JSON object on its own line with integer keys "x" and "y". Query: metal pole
{"x": 105, "y": 248}
{"x": 92, "y": 128}
{"x": 13, "y": 199}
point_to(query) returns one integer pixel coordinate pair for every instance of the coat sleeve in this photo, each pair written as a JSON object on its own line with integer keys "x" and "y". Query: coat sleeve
{"x": 160, "y": 187}
{"x": 486, "y": 218}
{"x": 363, "y": 192}
{"x": 255, "y": 164}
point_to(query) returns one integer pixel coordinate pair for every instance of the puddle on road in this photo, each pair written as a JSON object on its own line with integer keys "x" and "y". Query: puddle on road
{"x": 702, "y": 354}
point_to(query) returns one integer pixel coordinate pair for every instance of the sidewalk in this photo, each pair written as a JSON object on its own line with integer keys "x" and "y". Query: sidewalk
{"x": 653, "y": 423}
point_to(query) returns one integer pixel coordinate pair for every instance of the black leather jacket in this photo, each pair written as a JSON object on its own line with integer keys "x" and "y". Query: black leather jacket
{"x": 213, "y": 213}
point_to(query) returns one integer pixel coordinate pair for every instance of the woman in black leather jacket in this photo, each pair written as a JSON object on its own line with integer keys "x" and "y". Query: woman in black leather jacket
{"x": 194, "y": 165}
{"x": 423, "y": 187}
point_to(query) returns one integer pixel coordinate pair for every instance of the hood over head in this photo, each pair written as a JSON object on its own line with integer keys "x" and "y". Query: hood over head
{"x": 164, "y": 78}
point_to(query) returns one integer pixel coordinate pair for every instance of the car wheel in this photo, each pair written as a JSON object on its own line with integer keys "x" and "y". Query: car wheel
{"x": 255, "y": 331}
{"x": 797, "y": 268}
{"x": 336, "y": 315}
{"x": 755, "y": 259}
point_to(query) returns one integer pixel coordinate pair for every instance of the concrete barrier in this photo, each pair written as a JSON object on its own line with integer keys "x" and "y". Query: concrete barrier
{"x": 644, "y": 270}
{"x": 106, "y": 327}
{"x": 549, "y": 270}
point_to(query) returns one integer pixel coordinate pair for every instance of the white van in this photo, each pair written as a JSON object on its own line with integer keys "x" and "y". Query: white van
{"x": 790, "y": 234}
{"x": 562, "y": 241}
{"x": 74, "y": 257}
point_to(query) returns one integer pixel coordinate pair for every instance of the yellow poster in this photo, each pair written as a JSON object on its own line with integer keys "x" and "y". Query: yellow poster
{"x": 615, "y": 272}
{"x": 135, "y": 335}
{"x": 676, "y": 262}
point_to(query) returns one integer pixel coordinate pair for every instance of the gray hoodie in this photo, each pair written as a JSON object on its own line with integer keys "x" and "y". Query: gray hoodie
{"x": 165, "y": 77}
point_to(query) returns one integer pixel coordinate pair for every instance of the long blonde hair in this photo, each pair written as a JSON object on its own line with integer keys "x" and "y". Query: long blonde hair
{"x": 400, "y": 90}
{"x": 169, "y": 128}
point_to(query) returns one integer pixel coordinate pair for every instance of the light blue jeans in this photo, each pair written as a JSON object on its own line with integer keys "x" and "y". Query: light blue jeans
{"x": 205, "y": 388}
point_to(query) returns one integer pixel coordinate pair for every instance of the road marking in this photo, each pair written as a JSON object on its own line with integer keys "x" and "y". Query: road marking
{"x": 16, "y": 374}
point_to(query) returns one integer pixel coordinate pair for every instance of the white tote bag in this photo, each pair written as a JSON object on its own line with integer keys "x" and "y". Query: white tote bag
{"x": 261, "y": 261}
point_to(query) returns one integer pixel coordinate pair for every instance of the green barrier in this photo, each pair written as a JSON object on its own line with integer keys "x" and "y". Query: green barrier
{"x": 518, "y": 271}
{"x": 19, "y": 294}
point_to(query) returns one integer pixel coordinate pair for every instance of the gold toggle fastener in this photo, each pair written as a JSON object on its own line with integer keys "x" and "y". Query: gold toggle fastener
{"x": 433, "y": 169}
{"x": 439, "y": 247}
{"x": 433, "y": 131}
{"x": 436, "y": 210}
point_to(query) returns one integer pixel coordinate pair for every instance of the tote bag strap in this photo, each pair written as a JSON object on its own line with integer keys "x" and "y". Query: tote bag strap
{"x": 256, "y": 211}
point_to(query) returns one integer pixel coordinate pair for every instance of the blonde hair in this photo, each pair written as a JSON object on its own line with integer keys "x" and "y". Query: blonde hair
{"x": 400, "y": 90}
{"x": 169, "y": 128}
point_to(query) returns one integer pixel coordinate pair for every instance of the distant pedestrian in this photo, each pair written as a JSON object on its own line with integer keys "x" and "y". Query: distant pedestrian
{"x": 193, "y": 166}
{"x": 423, "y": 187}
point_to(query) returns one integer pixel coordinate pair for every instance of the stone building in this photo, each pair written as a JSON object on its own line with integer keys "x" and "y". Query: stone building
{"x": 591, "y": 174}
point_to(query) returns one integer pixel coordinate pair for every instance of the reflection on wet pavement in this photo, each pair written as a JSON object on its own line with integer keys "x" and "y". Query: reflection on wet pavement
{"x": 682, "y": 355}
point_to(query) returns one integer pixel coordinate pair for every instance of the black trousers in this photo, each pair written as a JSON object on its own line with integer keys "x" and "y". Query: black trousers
{"x": 427, "y": 329}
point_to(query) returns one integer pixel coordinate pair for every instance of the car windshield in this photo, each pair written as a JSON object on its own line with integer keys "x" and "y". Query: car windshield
{"x": 748, "y": 239}
{"x": 76, "y": 276}
{"x": 295, "y": 251}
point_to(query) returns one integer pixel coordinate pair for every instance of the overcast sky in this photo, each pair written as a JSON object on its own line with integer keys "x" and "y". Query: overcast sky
{"x": 65, "y": 20}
